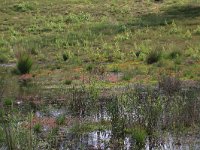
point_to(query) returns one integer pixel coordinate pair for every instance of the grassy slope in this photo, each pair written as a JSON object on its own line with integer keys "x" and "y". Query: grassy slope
{"x": 105, "y": 33}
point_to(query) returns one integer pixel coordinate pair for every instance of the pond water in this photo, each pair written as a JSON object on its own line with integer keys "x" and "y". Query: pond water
{"x": 101, "y": 140}
{"x": 104, "y": 140}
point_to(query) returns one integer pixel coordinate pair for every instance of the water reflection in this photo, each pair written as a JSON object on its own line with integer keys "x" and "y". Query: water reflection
{"x": 102, "y": 140}
{"x": 108, "y": 140}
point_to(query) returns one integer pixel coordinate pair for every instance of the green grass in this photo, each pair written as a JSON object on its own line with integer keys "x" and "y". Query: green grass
{"x": 139, "y": 134}
{"x": 37, "y": 128}
{"x": 100, "y": 32}
{"x": 8, "y": 102}
{"x": 60, "y": 120}
{"x": 68, "y": 82}
{"x": 90, "y": 127}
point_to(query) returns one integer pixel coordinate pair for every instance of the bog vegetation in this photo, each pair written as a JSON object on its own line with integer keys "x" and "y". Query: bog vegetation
{"x": 89, "y": 74}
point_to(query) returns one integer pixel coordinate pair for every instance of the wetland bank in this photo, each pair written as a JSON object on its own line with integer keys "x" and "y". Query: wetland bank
{"x": 110, "y": 75}
{"x": 136, "y": 116}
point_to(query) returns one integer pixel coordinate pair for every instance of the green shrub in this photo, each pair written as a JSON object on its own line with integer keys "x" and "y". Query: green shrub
{"x": 140, "y": 136}
{"x": 90, "y": 67}
{"x": 65, "y": 56}
{"x": 127, "y": 76}
{"x": 137, "y": 54}
{"x": 153, "y": 57}
{"x": 60, "y": 120}
{"x": 37, "y": 128}
{"x": 188, "y": 74}
{"x": 142, "y": 56}
{"x": 68, "y": 82}
{"x": 174, "y": 54}
{"x": 115, "y": 69}
{"x": 8, "y": 102}
{"x": 24, "y": 63}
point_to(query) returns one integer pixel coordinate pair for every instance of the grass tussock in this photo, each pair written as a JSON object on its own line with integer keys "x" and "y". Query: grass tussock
{"x": 24, "y": 62}
{"x": 153, "y": 57}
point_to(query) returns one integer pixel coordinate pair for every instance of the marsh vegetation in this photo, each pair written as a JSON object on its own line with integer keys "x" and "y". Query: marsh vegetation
{"x": 88, "y": 74}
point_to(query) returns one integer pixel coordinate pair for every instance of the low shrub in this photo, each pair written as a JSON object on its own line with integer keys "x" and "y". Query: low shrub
{"x": 130, "y": 73}
{"x": 24, "y": 63}
{"x": 90, "y": 67}
{"x": 60, "y": 120}
{"x": 153, "y": 57}
{"x": 65, "y": 56}
{"x": 37, "y": 128}
{"x": 140, "y": 136}
{"x": 115, "y": 69}
{"x": 137, "y": 53}
{"x": 127, "y": 76}
{"x": 170, "y": 84}
{"x": 8, "y": 102}
{"x": 68, "y": 82}
{"x": 142, "y": 56}
{"x": 174, "y": 54}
